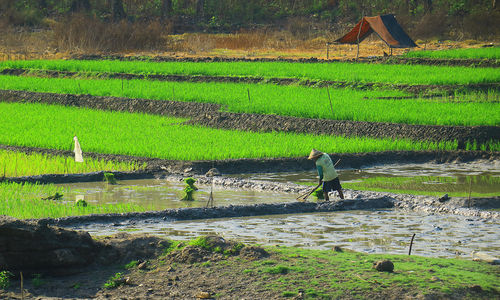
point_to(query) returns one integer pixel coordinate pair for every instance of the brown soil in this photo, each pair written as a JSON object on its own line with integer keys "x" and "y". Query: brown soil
{"x": 208, "y": 115}
{"x": 190, "y": 273}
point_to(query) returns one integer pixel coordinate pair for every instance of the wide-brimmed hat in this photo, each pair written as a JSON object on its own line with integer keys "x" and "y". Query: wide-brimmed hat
{"x": 314, "y": 154}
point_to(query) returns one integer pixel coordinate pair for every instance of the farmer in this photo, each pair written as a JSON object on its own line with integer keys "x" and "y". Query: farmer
{"x": 327, "y": 173}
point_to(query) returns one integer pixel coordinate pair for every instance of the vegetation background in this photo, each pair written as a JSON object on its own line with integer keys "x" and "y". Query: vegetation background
{"x": 116, "y": 25}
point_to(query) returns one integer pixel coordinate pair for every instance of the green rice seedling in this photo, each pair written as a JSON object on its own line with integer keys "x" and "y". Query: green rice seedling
{"x": 141, "y": 138}
{"x": 110, "y": 178}
{"x": 14, "y": 164}
{"x": 333, "y": 71}
{"x": 318, "y": 193}
{"x": 189, "y": 189}
{"x": 24, "y": 201}
{"x": 296, "y": 101}
{"x": 471, "y": 53}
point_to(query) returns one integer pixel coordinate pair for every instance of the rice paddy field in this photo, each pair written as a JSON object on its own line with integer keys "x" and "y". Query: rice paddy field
{"x": 53, "y": 127}
{"x": 165, "y": 137}
{"x": 466, "y": 109}
{"x": 338, "y": 71}
{"x": 472, "y": 53}
{"x": 15, "y": 164}
{"x": 29, "y": 201}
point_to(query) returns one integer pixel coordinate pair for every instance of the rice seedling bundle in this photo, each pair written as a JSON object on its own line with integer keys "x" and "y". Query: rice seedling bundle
{"x": 294, "y": 101}
{"x": 335, "y": 71}
{"x": 50, "y": 126}
{"x": 14, "y": 164}
{"x": 25, "y": 201}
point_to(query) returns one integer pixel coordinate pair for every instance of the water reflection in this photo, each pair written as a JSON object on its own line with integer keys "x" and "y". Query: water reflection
{"x": 386, "y": 231}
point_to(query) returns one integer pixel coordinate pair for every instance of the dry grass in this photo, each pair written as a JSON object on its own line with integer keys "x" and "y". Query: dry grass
{"x": 76, "y": 37}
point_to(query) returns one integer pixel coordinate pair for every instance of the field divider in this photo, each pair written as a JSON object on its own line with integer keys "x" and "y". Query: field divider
{"x": 208, "y": 115}
{"x": 417, "y": 89}
{"x": 156, "y": 167}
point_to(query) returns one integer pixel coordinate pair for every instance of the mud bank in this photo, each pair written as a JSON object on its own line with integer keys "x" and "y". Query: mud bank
{"x": 208, "y": 115}
{"x": 378, "y": 59}
{"x": 225, "y": 212}
{"x": 159, "y": 167}
{"x": 418, "y": 89}
{"x": 269, "y": 123}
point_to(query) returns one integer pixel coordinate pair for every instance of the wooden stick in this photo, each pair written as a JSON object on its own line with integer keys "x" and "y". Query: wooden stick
{"x": 304, "y": 196}
{"x": 470, "y": 190}
{"x": 330, "y": 99}
{"x": 359, "y": 32}
{"x": 411, "y": 244}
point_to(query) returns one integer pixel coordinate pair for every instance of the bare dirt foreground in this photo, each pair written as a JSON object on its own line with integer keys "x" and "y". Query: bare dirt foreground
{"x": 64, "y": 264}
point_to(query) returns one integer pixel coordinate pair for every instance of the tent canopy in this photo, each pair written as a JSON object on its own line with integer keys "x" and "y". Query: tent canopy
{"x": 386, "y": 27}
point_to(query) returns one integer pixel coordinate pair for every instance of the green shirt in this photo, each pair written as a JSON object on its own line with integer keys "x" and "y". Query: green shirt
{"x": 326, "y": 171}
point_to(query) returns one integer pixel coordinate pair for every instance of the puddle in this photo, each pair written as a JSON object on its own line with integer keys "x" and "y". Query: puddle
{"x": 428, "y": 177}
{"x": 383, "y": 231}
{"x": 160, "y": 194}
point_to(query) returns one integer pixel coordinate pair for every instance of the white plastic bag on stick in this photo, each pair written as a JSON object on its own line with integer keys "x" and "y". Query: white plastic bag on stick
{"x": 78, "y": 151}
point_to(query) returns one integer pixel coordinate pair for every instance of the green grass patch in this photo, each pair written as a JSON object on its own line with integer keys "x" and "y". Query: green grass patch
{"x": 52, "y": 126}
{"x": 24, "y": 201}
{"x": 14, "y": 164}
{"x": 296, "y": 101}
{"x": 471, "y": 53}
{"x": 335, "y": 71}
{"x": 326, "y": 274}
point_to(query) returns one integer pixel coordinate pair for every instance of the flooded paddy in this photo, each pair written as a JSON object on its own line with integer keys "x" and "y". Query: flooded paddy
{"x": 483, "y": 178}
{"x": 371, "y": 231}
{"x": 379, "y": 231}
{"x": 160, "y": 194}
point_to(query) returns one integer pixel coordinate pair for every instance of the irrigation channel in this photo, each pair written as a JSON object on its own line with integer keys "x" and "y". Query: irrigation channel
{"x": 383, "y": 230}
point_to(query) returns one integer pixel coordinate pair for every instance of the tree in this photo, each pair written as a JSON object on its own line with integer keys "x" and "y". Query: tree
{"x": 200, "y": 9}
{"x": 118, "y": 11}
{"x": 77, "y": 5}
{"x": 166, "y": 9}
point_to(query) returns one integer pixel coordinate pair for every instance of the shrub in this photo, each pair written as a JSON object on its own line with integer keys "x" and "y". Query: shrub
{"x": 5, "y": 279}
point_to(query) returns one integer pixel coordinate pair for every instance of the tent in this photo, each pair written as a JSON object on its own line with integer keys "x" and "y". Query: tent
{"x": 386, "y": 27}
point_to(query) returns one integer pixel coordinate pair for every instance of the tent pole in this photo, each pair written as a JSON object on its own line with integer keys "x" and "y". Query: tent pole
{"x": 359, "y": 32}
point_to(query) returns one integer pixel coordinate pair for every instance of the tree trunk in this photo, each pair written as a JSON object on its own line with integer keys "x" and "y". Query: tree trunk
{"x": 78, "y": 5}
{"x": 166, "y": 9}
{"x": 200, "y": 10}
{"x": 427, "y": 6}
{"x": 494, "y": 4}
{"x": 118, "y": 11}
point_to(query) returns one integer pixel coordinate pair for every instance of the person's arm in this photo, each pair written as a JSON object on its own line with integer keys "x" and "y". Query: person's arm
{"x": 320, "y": 173}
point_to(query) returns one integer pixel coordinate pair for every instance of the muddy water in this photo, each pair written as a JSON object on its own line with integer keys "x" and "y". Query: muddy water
{"x": 161, "y": 194}
{"x": 384, "y": 231}
{"x": 445, "y": 177}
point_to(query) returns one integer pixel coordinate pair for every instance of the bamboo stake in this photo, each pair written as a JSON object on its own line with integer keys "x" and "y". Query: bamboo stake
{"x": 359, "y": 32}
{"x": 470, "y": 190}
{"x": 330, "y": 99}
{"x": 22, "y": 286}
{"x": 411, "y": 244}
